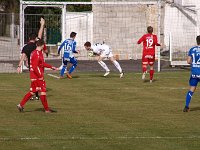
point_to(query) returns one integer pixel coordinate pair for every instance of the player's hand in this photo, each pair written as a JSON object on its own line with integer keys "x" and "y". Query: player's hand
{"x": 19, "y": 70}
{"x": 54, "y": 68}
{"x": 42, "y": 21}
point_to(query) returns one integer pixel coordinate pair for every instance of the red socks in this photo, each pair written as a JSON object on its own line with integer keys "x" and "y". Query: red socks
{"x": 151, "y": 72}
{"x": 144, "y": 69}
{"x": 25, "y": 99}
{"x": 44, "y": 102}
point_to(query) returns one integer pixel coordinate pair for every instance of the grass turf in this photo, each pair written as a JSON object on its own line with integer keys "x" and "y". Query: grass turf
{"x": 98, "y": 113}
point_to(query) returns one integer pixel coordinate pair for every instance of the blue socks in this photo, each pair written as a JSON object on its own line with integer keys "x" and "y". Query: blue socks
{"x": 62, "y": 71}
{"x": 188, "y": 98}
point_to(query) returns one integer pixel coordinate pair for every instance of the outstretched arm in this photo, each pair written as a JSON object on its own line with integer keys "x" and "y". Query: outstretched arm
{"x": 42, "y": 24}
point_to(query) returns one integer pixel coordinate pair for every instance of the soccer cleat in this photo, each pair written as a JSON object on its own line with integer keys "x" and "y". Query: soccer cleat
{"x": 143, "y": 75}
{"x": 107, "y": 73}
{"x": 186, "y": 109}
{"x": 37, "y": 98}
{"x": 69, "y": 76}
{"x": 50, "y": 111}
{"x": 121, "y": 75}
{"x": 151, "y": 81}
{"x": 32, "y": 98}
{"x": 20, "y": 108}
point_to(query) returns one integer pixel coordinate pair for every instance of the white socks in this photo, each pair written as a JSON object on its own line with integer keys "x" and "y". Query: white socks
{"x": 117, "y": 65}
{"x": 104, "y": 66}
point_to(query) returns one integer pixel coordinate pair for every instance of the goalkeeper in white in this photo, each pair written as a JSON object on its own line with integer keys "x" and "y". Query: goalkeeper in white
{"x": 103, "y": 51}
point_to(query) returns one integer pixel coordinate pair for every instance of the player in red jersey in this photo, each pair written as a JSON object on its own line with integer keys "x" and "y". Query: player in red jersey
{"x": 37, "y": 66}
{"x": 148, "y": 57}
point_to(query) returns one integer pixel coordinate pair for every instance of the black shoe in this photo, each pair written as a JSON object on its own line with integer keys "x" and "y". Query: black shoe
{"x": 20, "y": 108}
{"x": 186, "y": 109}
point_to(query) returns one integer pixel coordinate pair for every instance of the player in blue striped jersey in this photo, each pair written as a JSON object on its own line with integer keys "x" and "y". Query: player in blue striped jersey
{"x": 69, "y": 46}
{"x": 194, "y": 60}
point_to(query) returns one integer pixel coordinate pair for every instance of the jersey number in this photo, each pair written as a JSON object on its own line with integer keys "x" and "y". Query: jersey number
{"x": 195, "y": 61}
{"x": 68, "y": 47}
{"x": 149, "y": 42}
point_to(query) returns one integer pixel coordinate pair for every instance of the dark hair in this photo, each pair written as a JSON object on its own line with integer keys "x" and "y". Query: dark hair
{"x": 198, "y": 40}
{"x": 72, "y": 34}
{"x": 40, "y": 42}
{"x": 150, "y": 29}
{"x": 88, "y": 44}
{"x": 32, "y": 36}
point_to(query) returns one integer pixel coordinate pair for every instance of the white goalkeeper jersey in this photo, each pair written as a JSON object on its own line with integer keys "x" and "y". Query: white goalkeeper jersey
{"x": 100, "y": 48}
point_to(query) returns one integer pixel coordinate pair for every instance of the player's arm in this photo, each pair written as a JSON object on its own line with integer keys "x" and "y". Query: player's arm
{"x": 74, "y": 48}
{"x": 49, "y": 66}
{"x": 61, "y": 46}
{"x": 189, "y": 59}
{"x": 140, "y": 40}
{"x": 42, "y": 24}
{"x": 23, "y": 56}
{"x": 156, "y": 41}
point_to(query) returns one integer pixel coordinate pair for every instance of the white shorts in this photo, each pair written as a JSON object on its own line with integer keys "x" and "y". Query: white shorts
{"x": 107, "y": 53}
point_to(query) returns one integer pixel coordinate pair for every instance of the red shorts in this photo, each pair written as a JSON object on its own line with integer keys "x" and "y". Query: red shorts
{"x": 38, "y": 85}
{"x": 148, "y": 59}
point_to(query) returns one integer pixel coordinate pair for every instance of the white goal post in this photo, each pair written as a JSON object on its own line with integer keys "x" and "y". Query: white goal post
{"x": 182, "y": 30}
{"x": 119, "y": 24}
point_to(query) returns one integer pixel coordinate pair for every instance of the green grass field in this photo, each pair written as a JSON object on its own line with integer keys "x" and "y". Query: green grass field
{"x": 97, "y": 113}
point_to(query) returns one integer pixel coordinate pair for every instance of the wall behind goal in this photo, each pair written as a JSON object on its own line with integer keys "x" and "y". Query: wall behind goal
{"x": 120, "y": 26}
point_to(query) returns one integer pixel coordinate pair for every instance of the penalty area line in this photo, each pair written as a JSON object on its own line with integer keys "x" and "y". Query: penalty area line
{"x": 54, "y": 76}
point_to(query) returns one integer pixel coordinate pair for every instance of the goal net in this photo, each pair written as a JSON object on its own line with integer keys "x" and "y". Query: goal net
{"x": 181, "y": 29}
{"x": 117, "y": 23}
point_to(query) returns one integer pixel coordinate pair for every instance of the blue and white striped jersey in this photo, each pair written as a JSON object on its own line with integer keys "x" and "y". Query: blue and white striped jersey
{"x": 69, "y": 46}
{"x": 194, "y": 53}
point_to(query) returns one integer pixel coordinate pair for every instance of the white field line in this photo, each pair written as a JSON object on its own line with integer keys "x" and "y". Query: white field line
{"x": 54, "y": 76}
{"x": 99, "y": 138}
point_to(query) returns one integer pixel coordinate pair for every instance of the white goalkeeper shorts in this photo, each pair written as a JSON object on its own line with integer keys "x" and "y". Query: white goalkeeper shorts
{"x": 107, "y": 53}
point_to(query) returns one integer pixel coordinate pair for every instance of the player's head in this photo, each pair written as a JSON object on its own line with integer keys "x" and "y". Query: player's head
{"x": 87, "y": 45}
{"x": 73, "y": 35}
{"x": 198, "y": 40}
{"x": 32, "y": 37}
{"x": 40, "y": 44}
{"x": 150, "y": 29}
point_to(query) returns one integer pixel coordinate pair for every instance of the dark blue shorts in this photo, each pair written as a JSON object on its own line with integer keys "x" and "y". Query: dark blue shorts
{"x": 71, "y": 60}
{"x": 193, "y": 81}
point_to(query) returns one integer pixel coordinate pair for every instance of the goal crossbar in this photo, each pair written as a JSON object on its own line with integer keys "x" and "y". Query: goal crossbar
{"x": 86, "y": 3}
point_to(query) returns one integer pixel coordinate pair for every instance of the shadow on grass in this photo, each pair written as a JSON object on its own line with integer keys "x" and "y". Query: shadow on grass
{"x": 195, "y": 109}
{"x": 154, "y": 80}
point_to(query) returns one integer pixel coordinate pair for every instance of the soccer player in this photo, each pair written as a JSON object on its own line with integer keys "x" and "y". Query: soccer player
{"x": 68, "y": 55}
{"x": 148, "y": 57}
{"x": 103, "y": 51}
{"x": 37, "y": 66}
{"x": 28, "y": 48}
{"x": 193, "y": 59}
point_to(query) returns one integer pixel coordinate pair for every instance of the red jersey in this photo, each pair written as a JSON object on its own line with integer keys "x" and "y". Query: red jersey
{"x": 37, "y": 65}
{"x": 149, "y": 43}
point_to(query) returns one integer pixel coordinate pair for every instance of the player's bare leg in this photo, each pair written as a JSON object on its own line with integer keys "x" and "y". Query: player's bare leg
{"x": 117, "y": 65}
{"x": 100, "y": 61}
{"x": 20, "y": 106}
{"x": 144, "y": 70}
{"x": 151, "y": 72}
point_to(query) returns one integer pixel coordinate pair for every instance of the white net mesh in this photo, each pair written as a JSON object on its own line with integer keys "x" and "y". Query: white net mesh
{"x": 181, "y": 22}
